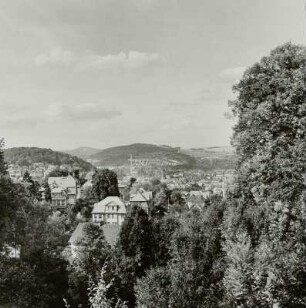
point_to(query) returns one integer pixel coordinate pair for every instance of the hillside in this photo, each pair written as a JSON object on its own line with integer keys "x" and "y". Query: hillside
{"x": 27, "y": 156}
{"x": 210, "y": 158}
{"x": 83, "y": 152}
{"x": 119, "y": 156}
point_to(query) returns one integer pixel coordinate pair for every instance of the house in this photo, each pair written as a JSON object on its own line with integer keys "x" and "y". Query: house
{"x": 142, "y": 199}
{"x": 64, "y": 191}
{"x": 110, "y": 210}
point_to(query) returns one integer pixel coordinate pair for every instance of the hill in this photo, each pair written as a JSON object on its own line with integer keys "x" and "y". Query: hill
{"x": 119, "y": 156}
{"x": 27, "y": 156}
{"x": 210, "y": 158}
{"x": 83, "y": 152}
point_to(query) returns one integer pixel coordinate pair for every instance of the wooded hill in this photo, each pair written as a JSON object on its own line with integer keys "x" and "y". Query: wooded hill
{"x": 119, "y": 156}
{"x": 27, "y": 156}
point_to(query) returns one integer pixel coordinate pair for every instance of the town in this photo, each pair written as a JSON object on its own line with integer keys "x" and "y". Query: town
{"x": 153, "y": 154}
{"x": 68, "y": 191}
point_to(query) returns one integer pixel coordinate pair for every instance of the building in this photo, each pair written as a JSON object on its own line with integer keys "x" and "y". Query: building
{"x": 142, "y": 199}
{"x": 64, "y": 191}
{"x": 110, "y": 210}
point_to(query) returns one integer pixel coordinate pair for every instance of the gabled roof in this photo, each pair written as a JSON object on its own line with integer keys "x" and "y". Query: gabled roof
{"x": 57, "y": 190}
{"x": 142, "y": 196}
{"x": 64, "y": 181}
{"x": 100, "y": 207}
{"x": 77, "y": 234}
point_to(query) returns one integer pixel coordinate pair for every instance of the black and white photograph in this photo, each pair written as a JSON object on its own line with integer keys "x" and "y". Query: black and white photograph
{"x": 152, "y": 153}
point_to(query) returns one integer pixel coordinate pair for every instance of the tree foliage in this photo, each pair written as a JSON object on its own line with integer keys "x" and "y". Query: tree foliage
{"x": 105, "y": 183}
{"x": 264, "y": 225}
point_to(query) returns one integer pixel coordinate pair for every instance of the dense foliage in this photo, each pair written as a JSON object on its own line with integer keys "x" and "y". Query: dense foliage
{"x": 104, "y": 184}
{"x": 264, "y": 226}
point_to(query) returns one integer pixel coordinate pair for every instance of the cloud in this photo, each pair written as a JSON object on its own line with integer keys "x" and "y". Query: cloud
{"x": 25, "y": 117}
{"x": 56, "y": 56}
{"x": 232, "y": 74}
{"x": 122, "y": 60}
{"x": 80, "y": 112}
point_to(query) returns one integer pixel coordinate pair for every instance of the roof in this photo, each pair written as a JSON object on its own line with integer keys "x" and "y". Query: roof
{"x": 78, "y": 233}
{"x": 57, "y": 190}
{"x": 88, "y": 183}
{"x": 195, "y": 193}
{"x": 64, "y": 181}
{"x": 142, "y": 196}
{"x": 100, "y": 207}
{"x": 111, "y": 233}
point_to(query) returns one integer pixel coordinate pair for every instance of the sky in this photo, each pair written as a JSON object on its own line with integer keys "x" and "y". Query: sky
{"x": 103, "y": 73}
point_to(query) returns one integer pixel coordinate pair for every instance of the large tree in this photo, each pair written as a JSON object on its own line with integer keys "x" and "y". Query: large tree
{"x": 105, "y": 183}
{"x": 3, "y": 166}
{"x": 133, "y": 252}
{"x": 265, "y": 246}
{"x": 270, "y": 134}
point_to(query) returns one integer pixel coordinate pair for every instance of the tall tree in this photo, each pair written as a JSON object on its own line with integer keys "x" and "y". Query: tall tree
{"x": 105, "y": 183}
{"x": 133, "y": 252}
{"x": 265, "y": 251}
{"x": 3, "y": 166}
{"x": 31, "y": 186}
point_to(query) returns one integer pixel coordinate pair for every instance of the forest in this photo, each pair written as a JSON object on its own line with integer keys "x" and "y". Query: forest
{"x": 27, "y": 156}
{"x": 247, "y": 250}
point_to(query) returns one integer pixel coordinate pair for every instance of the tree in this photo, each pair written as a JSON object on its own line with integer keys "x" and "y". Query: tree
{"x": 105, "y": 183}
{"x": 37, "y": 282}
{"x": 39, "y": 277}
{"x": 92, "y": 251}
{"x": 153, "y": 290}
{"x": 264, "y": 215}
{"x": 163, "y": 229}
{"x": 3, "y": 166}
{"x": 197, "y": 265}
{"x": 269, "y": 136}
{"x": 98, "y": 294}
{"x": 58, "y": 172}
{"x": 133, "y": 252}
{"x": 31, "y": 186}
{"x": 178, "y": 204}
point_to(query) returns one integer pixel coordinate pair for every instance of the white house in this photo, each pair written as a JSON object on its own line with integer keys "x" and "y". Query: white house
{"x": 110, "y": 210}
